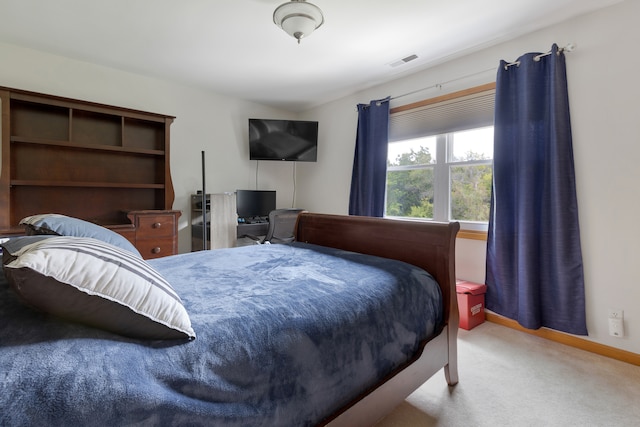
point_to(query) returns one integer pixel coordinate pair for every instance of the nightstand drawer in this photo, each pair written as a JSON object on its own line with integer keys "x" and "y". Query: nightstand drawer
{"x": 156, "y": 248}
{"x": 152, "y": 226}
{"x": 156, "y": 232}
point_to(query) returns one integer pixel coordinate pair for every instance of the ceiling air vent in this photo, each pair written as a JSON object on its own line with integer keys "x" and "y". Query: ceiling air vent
{"x": 403, "y": 61}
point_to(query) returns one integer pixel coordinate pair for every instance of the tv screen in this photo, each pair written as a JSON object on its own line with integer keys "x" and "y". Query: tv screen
{"x": 254, "y": 203}
{"x": 289, "y": 140}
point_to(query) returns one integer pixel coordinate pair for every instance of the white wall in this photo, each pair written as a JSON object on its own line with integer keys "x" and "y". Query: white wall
{"x": 604, "y": 90}
{"x": 204, "y": 121}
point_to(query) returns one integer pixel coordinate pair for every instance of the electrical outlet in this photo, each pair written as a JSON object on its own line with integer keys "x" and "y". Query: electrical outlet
{"x": 616, "y": 314}
{"x": 616, "y": 327}
{"x": 616, "y": 322}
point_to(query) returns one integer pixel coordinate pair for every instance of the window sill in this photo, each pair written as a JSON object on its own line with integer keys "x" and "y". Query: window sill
{"x": 472, "y": 234}
{"x": 468, "y": 229}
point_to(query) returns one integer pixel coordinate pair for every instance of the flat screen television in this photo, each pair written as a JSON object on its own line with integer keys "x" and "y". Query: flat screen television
{"x": 288, "y": 140}
{"x": 251, "y": 204}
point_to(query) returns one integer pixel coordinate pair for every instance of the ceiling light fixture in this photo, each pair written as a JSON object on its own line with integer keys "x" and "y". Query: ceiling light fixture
{"x": 298, "y": 18}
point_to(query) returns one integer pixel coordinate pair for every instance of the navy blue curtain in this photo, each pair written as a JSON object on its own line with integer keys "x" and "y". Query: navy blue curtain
{"x": 369, "y": 176}
{"x": 534, "y": 259}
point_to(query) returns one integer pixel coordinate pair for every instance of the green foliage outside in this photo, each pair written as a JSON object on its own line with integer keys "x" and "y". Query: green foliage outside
{"x": 410, "y": 192}
{"x": 470, "y": 192}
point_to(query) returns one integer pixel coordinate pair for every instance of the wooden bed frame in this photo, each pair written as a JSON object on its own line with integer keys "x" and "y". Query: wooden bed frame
{"x": 428, "y": 245}
{"x": 28, "y": 120}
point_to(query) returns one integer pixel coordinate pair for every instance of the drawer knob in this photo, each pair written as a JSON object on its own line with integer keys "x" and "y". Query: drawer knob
{"x": 156, "y": 225}
{"x": 156, "y": 250}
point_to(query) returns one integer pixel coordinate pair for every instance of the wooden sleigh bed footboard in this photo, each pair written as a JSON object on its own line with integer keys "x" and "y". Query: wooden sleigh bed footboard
{"x": 428, "y": 245}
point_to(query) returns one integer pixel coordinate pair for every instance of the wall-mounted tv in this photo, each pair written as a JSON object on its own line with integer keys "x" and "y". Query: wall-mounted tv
{"x": 289, "y": 140}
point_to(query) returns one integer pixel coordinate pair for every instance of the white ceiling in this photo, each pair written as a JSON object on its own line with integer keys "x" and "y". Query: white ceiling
{"x": 233, "y": 47}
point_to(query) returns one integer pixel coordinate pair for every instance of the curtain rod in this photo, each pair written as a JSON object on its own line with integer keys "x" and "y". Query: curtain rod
{"x": 439, "y": 85}
{"x": 568, "y": 48}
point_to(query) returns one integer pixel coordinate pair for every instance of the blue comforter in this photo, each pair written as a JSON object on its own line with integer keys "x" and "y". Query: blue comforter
{"x": 286, "y": 335}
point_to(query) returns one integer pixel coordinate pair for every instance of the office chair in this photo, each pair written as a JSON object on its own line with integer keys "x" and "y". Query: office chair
{"x": 282, "y": 223}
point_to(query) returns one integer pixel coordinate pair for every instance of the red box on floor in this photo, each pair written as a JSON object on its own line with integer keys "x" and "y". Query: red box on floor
{"x": 470, "y": 303}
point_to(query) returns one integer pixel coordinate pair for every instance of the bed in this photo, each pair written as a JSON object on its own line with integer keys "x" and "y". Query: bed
{"x": 327, "y": 330}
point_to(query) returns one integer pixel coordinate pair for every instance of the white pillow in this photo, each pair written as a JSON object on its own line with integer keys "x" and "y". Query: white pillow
{"x": 95, "y": 283}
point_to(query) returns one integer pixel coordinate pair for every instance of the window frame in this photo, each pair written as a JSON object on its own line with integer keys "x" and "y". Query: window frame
{"x": 443, "y": 164}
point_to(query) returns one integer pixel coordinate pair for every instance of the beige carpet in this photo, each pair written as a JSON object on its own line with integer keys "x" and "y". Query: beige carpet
{"x": 509, "y": 378}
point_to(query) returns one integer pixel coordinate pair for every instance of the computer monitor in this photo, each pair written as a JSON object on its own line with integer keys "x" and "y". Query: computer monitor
{"x": 255, "y": 203}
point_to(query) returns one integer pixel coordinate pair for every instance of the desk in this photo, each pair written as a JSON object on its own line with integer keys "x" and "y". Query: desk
{"x": 256, "y": 229}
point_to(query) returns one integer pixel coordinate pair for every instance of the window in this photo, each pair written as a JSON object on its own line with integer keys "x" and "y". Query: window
{"x": 447, "y": 175}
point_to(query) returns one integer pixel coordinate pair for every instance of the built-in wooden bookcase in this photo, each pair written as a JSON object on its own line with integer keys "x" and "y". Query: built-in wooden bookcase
{"x": 81, "y": 159}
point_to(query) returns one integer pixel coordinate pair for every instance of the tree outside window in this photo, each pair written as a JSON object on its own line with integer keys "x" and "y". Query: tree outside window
{"x": 444, "y": 177}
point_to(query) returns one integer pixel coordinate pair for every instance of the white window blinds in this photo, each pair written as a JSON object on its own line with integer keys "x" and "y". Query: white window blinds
{"x": 449, "y": 115}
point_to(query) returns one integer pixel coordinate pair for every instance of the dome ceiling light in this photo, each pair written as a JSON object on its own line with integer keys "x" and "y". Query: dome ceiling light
{"x": 298, "y": 18}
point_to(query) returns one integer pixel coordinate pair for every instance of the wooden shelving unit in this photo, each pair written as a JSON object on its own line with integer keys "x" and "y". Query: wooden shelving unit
{"x": 81, "y": 159}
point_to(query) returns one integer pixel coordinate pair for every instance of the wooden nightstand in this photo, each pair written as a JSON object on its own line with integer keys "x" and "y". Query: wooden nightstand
{"x": 156, "y": 232}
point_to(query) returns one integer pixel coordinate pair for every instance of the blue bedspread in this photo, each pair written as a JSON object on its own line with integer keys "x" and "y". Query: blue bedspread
{"x": 286, "y": 335}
